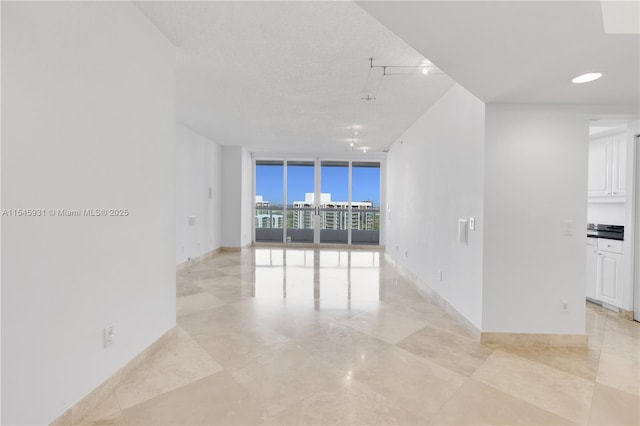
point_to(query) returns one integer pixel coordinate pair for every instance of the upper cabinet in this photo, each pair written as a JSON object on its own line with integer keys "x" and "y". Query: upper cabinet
{"x": 619, "y": 169}
{"x": 607, "y": 168}
{"x": 599, "y": 166}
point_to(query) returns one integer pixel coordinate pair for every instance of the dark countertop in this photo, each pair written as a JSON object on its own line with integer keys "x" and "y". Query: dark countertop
{"x": 607, "y": 235}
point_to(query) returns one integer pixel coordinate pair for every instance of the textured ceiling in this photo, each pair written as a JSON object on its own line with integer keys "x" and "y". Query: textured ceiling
{"x": 522, "y": 51}
{"x": 288, "y": 76}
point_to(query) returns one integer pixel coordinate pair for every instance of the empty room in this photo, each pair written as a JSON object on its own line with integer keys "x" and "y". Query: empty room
{"x": 320, "y": 212}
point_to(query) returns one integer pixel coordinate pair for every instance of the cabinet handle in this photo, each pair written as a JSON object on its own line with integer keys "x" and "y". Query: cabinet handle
{"x": 614, "y": 193}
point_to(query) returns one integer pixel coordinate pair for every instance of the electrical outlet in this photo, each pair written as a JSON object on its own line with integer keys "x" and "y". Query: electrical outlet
{"x": 564, "y": 306}
{"x": 109, "y": 336}
{"x": 406, "y": 253}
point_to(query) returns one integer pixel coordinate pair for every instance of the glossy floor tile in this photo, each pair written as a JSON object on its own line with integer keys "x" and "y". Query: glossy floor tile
{"x": 556, "y": 391}
{"x": 303, "y": 336}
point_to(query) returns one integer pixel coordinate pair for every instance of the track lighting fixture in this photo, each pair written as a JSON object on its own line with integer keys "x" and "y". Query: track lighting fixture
{"x": 425, "y": 69}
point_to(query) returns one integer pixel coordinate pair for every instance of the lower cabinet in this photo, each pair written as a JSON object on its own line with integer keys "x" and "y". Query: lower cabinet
{"x": 609, "y": 278}
{"x": 592, "y": 268}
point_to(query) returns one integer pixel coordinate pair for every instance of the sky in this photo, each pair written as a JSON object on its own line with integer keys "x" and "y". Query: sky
{"x": 334, "y": 180}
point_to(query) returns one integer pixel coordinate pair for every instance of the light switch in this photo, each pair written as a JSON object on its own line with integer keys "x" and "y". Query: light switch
{"x": 192, "y": 220}
{"x": 472, "y": 223}
{"x": 568, "y": 228}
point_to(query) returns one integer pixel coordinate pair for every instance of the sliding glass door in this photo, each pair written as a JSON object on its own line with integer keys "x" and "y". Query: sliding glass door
{"x": 300, "y": 201}
{"x": 269, "y": 201}
{"x": 334, "y": 202}
{"x": 317, "y": 201}
{"x": 365, "y": 205}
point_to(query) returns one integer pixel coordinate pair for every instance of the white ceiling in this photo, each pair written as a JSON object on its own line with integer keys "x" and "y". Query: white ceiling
{"x": 621, "y": 17}
{"x": 522, "y": 51}
{"x": 288, "y": 76}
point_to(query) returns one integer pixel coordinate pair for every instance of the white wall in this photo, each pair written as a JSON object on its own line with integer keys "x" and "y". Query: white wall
{"x": 231, "y": 196}
{"x": 630, "y": 252}
{"x": 0, "y": 231}
{"x": 608, "y": 213}
{"x": 198, "y": 170}
{"x": 88, "y": 113}
{"x": 535, "y": 180}
{"x": 237, "y": 189}
{"x": 632, "y": 265}
{"x": 247, "y": 201}
{"x": 434, "y": 175}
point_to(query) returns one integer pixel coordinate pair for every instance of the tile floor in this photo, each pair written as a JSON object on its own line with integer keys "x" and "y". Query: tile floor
{"x": 269, "y": 336}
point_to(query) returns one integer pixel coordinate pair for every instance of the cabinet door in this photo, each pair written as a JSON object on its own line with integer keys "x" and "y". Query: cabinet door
{"x": 599, "y": 168}
{"x": 592, "y": 268}
{"x": 609, "y": 277}
{"x": 619, "y": 165}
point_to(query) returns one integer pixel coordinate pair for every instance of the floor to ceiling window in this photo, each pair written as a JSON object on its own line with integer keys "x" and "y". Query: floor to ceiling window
{"x": 269, "y": 201}
{"x": 318, "y": 201}
{"x": 300, "y": 201}
{"x": 334, "y": 202}
{"x": 365, "y": 207}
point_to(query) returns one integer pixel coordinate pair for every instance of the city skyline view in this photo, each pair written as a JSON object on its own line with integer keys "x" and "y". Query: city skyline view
{"x": 300, "y": 180}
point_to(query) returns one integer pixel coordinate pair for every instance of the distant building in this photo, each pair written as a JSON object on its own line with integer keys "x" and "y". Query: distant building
{"x": 265, "y": 217}
{"x": 333, "y": 214}
{"x": 260, "y": 202}
{"x": 336, "y": 215}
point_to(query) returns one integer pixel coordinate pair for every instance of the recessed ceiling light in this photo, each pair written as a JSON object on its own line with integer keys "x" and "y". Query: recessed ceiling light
{"x": 351, "y": 144}
{"x": 585, "y": 78}
{"x": 364, "y": 150}
{"x": 355, "y": 133}
{"x": 425, "y": 70}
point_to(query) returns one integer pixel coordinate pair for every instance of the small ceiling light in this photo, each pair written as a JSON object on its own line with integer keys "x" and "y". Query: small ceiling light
{"x": 585, "y": 78}
{"x": 351, "y": 144}
{"x": 355, "y": 133}
{"x": 364, "y": 150}
{"x": 425, "y": 70}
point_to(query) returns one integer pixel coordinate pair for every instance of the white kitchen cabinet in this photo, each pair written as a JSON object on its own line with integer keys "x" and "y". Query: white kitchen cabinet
{"x": 592, "y": 268}
{"x": 619, "y": 166}
{"x": 609, "y": 272}
{"x": 599, "y": 161}
{"x": 607, "y": 168}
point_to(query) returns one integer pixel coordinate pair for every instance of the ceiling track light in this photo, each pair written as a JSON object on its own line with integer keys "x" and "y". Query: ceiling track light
{"x": 425, "y": 69}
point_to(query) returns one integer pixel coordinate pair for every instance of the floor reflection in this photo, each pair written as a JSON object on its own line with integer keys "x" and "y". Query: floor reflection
{"x": 331, "y": 278}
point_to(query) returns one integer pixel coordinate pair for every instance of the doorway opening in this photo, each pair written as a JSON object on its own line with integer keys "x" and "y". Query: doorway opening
{"x": 612, "y": 212}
